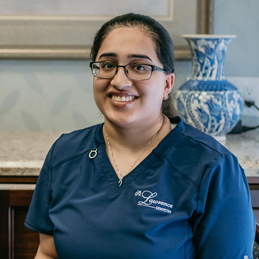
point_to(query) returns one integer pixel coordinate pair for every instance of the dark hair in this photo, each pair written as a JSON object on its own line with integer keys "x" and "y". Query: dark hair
{"x": 153, "y": 29}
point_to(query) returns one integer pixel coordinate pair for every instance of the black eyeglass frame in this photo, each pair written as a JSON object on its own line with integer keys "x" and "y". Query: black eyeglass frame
{"x": 153, "y": 68}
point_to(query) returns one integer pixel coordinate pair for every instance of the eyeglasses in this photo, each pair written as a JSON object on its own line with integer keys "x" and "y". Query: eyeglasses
{"x": 134, "y": 71}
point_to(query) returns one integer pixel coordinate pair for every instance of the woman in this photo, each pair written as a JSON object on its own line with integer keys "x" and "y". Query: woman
{"x": 144, "y": 184}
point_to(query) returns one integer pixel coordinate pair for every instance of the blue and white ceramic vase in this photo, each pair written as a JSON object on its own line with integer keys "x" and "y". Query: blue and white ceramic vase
{"x": 207, "y": 100}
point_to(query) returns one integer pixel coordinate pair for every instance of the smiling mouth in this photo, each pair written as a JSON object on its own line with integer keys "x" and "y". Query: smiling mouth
{"x": 122, "y": 98}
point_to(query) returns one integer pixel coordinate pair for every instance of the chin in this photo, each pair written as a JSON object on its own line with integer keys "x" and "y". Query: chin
{"x": 121, "y": 120}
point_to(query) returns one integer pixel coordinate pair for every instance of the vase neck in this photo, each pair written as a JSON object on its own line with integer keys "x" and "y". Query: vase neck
{"x": 208, "y": 57}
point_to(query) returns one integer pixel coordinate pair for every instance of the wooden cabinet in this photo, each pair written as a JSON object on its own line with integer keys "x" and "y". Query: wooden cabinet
{"x": 19, "y": 242}
{"x": 16, "y": 241}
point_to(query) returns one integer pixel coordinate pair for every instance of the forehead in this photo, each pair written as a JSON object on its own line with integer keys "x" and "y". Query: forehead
{"x": 124, "y": 41}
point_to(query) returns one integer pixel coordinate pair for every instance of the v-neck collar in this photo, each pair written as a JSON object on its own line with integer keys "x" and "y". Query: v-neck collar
{"x": 105, "y": 168}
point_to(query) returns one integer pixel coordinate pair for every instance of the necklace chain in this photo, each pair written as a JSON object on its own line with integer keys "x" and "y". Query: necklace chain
{"x": 121, "y": 176}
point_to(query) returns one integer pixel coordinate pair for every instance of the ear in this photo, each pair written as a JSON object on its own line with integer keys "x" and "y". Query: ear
{"x": 169, "y": 83}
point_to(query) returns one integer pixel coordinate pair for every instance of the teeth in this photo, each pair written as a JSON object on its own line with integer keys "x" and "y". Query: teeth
{"x": 122, "y": 98}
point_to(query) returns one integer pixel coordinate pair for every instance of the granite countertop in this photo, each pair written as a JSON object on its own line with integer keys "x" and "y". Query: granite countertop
{"x": 245, "y": 147}
{"x": 23, "y": 154}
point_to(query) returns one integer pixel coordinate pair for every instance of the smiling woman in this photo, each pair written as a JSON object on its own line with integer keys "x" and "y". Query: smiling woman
{"x": 97, "y": 185}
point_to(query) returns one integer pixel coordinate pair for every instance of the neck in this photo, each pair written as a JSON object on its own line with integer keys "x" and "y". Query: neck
{"x": 132, "y": 137}
{"x": 135, "y": 139}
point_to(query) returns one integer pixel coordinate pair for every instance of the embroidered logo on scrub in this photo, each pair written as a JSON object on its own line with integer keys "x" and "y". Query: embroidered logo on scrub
{"x": 147, "y": 200}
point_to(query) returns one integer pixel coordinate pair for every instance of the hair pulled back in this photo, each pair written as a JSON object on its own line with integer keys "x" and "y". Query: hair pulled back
{"x": 151, "y": 28}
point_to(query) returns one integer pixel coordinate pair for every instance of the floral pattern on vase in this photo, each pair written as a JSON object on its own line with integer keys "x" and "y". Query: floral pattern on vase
{"x": 207, "y": 100}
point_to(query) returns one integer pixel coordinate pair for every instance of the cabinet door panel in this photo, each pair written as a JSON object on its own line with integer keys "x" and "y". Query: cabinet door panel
{"x": 16, "y": 241}
{"x": 24, "y": 242}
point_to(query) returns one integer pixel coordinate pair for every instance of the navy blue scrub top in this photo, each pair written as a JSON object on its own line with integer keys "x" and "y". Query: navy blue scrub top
{"x": 188, "y": 199}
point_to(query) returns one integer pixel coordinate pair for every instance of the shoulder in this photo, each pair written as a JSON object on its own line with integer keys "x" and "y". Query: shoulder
{"x": 192, "y": 153}
{"x": 191, "y": 140}
{"x": 74, "y": 144}
{"x": 194, "y": 138}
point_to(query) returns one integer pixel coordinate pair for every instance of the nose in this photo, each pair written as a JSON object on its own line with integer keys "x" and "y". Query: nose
{"x": 120, "y": 80}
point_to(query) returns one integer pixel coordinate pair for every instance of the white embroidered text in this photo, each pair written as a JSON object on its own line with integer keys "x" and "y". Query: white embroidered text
{"x": 150, "y": 202}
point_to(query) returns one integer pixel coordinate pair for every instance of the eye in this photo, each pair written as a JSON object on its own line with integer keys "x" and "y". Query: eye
{"x": 107, "y": 65}
{"x": 137, "y": 67}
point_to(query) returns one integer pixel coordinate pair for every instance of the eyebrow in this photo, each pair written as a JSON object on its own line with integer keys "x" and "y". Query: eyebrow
{"x": 111, "y": 54}
{"x": 140, "y": 56}
{"x": 108, "y": 55}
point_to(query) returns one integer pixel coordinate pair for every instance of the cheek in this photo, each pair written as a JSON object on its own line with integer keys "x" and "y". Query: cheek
{"x": 153, "y": 98}
{"x": 96, "y": 84}
{"x": 99, "y": 86}
{"x": 97, "y": 93}
{"x": 95, "y": 90}
{"x": 157, "y": 89}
